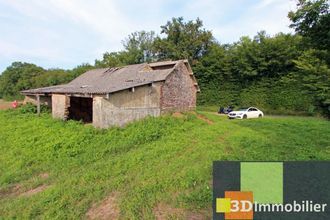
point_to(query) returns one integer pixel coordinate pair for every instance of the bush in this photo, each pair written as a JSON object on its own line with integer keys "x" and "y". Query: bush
{"x": 270, "y": 95}
{"x": 32, "y": 109}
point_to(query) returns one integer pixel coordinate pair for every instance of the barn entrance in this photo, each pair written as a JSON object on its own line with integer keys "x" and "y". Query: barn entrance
{"x": 81, "y": 109}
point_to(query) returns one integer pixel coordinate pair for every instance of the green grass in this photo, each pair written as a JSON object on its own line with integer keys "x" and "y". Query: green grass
{"x": 157, "y": 160}
{"x": 208, "y": 108}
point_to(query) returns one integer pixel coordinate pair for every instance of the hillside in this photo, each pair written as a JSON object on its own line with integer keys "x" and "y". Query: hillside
{"x": 153, "y": 168}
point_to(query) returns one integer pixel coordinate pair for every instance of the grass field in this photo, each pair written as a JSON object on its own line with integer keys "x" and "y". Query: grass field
{"x": 155, "y": 168}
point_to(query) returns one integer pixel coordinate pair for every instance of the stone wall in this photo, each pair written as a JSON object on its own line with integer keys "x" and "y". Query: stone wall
{"x": 60, "y": 104}
{"x": 125, "y": 106}
{"x": 44, "y": 100}
{"x": 178, "y": 92}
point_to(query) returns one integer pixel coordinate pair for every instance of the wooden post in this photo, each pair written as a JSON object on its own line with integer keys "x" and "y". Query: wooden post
{"x": 38, "y": 105}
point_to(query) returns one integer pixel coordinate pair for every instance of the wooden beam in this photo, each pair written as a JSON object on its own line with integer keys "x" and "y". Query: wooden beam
{"x": 35, "y": 94}
{"x": 38, "y": 105}
{"x": 82, "y": 95}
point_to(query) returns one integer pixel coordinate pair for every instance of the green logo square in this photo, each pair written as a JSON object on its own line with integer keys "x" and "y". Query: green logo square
{"x": 264, "y": 179}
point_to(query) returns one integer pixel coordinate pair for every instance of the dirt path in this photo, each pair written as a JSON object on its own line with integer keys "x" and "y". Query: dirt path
{"x": 204, "y": 118}
{"x": 7, "y": 104}
{"x": 20, "y": 191}
{"x": 4, "y": 104}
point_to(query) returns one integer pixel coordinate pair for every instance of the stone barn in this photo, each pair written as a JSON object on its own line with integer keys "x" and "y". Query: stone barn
{"x": 115, "y": 96}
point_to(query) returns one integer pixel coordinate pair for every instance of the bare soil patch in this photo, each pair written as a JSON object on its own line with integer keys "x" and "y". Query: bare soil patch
{"x": 163, "y": 212}
{"x": 4, "y": 104}
{"x": 12, "y": 191}
{"x": 44, "y": 175}
{"x": 34, "y": 191}
{"x": 7, "y": 104}
{"x": 177, "y": 115}
{"x": 107, "y": 209}
{"x": 204, "y": 118}
{"x": 18, "y": 189}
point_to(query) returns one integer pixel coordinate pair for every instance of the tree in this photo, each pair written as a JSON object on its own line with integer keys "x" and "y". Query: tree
{"x": 80, "y": 69}
{"x": 21, "y": 76}
{"x": 314, "y": 74}
{"x": 112, "y": 59}
{"x": 139, "y": 46}
{"x": 264, "y": 56}
{"x": 49, "y": 78}
{"x": 213, "y": 66}
{"x": 312, "y": 21}
{"x": 227, "y": 72}
{"x": 187, "y": 40}
{"x": 18, "y": 76}
{"x": 215, "y": 78}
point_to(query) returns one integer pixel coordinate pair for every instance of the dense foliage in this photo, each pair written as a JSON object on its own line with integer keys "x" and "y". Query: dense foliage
{"x": 312, "y": 20}
{"x": 285, "y": 73}
{"x": 20, "y": 76}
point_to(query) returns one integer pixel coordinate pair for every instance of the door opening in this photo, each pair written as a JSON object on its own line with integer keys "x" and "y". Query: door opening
{"x": 81, "y": 109}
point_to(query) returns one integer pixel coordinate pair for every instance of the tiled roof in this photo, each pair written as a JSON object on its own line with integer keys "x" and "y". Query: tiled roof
{"x": 108, "y": 80}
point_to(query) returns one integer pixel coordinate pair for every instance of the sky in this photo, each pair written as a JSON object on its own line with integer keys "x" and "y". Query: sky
{"x": 67, "y": 33}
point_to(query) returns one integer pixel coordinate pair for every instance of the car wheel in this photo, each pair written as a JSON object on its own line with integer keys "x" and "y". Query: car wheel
{"x": 260, "y": 115}
{"x": 244, "y": 116}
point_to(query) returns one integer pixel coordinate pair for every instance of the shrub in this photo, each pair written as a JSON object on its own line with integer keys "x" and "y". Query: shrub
{"x": 32, "y": 109}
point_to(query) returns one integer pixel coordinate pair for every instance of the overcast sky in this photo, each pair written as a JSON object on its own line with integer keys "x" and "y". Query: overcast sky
{"x": 66, "y": 33}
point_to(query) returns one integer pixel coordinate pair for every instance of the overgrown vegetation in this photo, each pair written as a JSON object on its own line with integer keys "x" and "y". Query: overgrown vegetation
{"x": 157, "y": 160}
{"x": 284, "y": 73}
{"x": 29, "y": 108}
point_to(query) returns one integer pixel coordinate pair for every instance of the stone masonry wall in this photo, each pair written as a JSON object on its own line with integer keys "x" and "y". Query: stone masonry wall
{"x": 178, "y": 92}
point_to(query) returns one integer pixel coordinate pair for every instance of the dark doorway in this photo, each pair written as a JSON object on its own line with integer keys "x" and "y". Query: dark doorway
{"x": 81, "y": 109}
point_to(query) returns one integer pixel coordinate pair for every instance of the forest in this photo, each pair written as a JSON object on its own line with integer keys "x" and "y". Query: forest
{"x": 280, "y": 74}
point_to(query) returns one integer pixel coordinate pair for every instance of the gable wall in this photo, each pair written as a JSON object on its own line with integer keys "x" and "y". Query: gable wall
{"x": 178, "y": 92}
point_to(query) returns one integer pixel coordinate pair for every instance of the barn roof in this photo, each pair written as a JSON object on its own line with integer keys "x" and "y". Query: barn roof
{"x": 108, "y": 80}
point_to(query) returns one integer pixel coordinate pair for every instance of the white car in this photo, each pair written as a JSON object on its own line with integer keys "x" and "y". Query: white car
{"x": 244, "y": 113}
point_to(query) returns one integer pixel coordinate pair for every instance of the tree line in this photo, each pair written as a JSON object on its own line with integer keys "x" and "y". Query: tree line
{"x": 284, "y": 73}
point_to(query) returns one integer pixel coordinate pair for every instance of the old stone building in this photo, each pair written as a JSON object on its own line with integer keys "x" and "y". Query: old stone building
{"x": 115, "y": 96}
